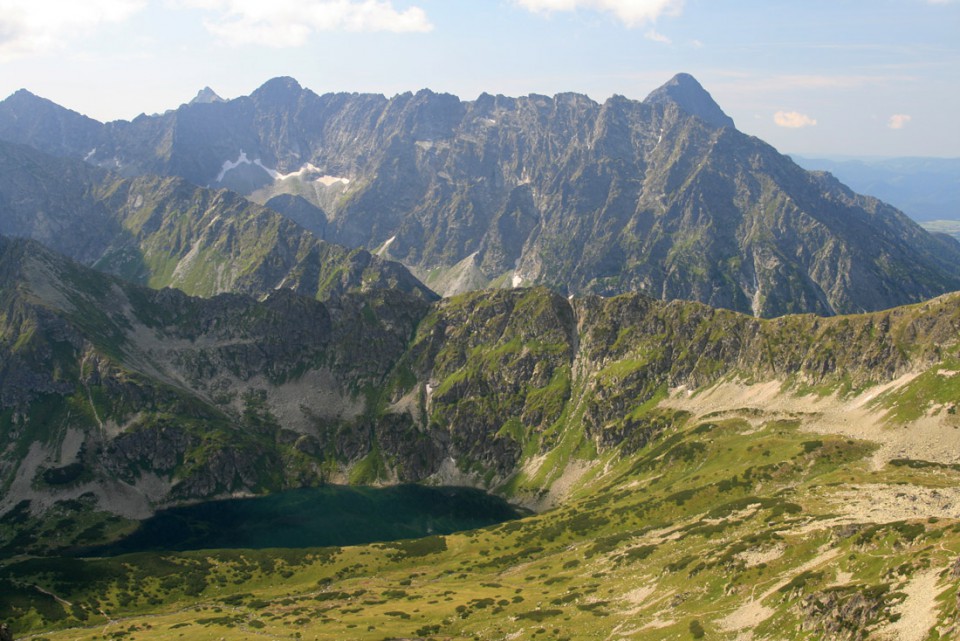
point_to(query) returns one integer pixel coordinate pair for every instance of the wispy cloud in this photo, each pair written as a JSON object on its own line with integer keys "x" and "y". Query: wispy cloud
{"x": 655, "y": 36}
{"x": 793, "y": 120}
{"x": 898, "y": 121}
{"x": 39, "y": 26}
{"x": 290, "y": 23}
{"x": 632, "y": 13}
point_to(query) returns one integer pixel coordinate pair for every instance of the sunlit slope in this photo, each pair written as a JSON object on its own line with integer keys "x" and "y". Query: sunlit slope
{"x": 737, "y": 523}
{"x": 695, "y": 469}
{"x": 516, "y": 391}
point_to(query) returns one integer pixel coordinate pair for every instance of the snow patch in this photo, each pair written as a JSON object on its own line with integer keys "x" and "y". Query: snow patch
{"x": 304, "y": 170}
{"x": 90, "y": 154}
{"x": 326, "y": 181}
{"x": 383, "y": 250}
{"x": 517, "y": 279}
{"x": 307, "y": 170}
{"x": 230, "y": 165}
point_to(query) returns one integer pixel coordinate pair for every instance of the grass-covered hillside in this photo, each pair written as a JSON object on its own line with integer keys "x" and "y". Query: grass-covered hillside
{"x": 695, "y": 473}
{"x": 734, "y": 523}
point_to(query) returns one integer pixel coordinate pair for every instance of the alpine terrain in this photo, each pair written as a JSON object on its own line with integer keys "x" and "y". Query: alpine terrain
{"x": 209, "y": 305}
{"x": 706, "y": 470}
{"x": 663, "y": 196}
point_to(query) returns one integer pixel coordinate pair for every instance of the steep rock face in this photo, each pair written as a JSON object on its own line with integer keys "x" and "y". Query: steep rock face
{"x": 50, "y": 199}
{"x": 301, "y": 211}
{"x": 167, "y": 232}
{"x": 497, "y": 367}
{"x": 105, "y": 385}
{"x": 662, "y": 196}
{"x": 514, "y": 375}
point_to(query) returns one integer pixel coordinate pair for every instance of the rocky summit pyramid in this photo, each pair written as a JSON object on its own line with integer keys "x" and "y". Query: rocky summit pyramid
{"x": 689, "y": 95}
{"x": 663, "y": 196}
{"x": 206, "y": 96}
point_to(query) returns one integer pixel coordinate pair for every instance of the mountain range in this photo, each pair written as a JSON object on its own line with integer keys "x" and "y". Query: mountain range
{"x": 380, "y": 386}
{"x": 663, "y": 196}
{"x": 208, "y": 304}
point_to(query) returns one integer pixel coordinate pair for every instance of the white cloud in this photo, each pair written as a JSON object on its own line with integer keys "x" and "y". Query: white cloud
{"x": 290, "y": 23}
{"x": 656, "y": 36}
{"x": 37, "y": 26}
{"x": 632, "y": 13}
{"x": 793, "y": 120}
{"x": 898, "y": 121}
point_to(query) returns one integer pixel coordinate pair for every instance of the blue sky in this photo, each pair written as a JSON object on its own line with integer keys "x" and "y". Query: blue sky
{"x": 841, "y": 77}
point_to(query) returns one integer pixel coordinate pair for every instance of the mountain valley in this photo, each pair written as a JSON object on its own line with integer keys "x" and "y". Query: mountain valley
{"x": 721, "y": 391}
{"x": 680, "y": 448}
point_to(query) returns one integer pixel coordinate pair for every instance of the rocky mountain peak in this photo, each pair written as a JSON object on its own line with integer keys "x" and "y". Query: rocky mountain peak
{"x": 684, "y": 91}
{"x": 22, "y": 99}
{"x": 206, "y": 96}
{"x": 23, "y": 94}
{"x": 560, "y": 191}
{"x": 38, "y": 122}
{"x": 278, "y": 90}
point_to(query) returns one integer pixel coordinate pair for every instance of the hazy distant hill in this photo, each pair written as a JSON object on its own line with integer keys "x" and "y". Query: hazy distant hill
{"x": 662, "y": 196}
{"x": 925, "y": 189}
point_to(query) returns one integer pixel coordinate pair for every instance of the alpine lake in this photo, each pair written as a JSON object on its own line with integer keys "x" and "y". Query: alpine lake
{"x": 315, "y": 517}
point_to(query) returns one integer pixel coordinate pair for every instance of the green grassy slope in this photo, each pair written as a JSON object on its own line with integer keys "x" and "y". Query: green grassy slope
{"x": 699, "y": 473}
{"x": 719, "y": 527}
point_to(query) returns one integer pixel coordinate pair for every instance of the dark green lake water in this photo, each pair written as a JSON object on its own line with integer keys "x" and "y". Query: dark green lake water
{"x": 316, "y": 517}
